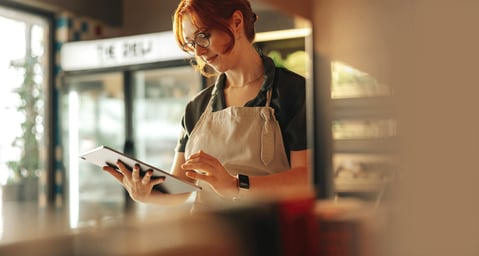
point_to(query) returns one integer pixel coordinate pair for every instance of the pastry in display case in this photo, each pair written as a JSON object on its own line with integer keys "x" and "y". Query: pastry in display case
{"x": 366, "y": 176}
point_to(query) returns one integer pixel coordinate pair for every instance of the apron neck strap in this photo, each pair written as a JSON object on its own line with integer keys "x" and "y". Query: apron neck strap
{"x": 214, "y": 93}
{"x": 269, "y": 94}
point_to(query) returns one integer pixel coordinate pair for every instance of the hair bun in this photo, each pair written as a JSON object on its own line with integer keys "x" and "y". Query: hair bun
{"x": 255, "y": 17}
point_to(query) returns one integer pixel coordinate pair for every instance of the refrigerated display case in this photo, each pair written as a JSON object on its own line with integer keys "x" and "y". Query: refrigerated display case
{"x": 160, "y": 96}
{"x": 364, "y": 129}
{"x": 288, "y": 48}
{"x": 133, "y": 103}
{"x": 92, "y": 113}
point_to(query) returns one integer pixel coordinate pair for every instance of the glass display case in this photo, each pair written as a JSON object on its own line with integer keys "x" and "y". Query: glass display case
{"x": 288, "y": 48}
{"x": 137, "y": 112}
{"x": 364, "y": 129}
{"x": 160, "y": 99}
{"x": 92, "y": 114}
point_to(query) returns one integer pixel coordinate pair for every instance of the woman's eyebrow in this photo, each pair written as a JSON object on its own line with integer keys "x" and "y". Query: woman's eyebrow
{"x": 199, "y": 30}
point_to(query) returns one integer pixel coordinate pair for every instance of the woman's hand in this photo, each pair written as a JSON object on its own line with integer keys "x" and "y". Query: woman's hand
{"x": 139, "y": 188}
{"x": 202, "y": 166}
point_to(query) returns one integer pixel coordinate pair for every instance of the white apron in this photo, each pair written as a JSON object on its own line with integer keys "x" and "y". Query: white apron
{"x": 245, "y": 140}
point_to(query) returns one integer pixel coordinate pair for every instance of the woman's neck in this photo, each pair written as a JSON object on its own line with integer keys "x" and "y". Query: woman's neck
{"x": 249, "y": 73}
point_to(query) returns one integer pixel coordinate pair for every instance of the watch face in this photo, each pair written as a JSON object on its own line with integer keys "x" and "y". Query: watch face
{"x": 243, "y": 181}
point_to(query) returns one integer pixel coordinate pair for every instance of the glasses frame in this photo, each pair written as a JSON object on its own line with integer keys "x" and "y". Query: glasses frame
{"x": 202, "y": 39}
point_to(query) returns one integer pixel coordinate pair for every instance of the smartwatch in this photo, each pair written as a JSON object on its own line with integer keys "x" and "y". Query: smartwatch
{"x": 243, "y": 181}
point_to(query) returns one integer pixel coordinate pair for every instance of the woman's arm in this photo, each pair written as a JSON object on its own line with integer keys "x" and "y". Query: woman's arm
{"x": 297, "y": 180}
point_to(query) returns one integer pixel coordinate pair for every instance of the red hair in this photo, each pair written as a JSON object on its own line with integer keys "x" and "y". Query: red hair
{"x": 213, "y": 14}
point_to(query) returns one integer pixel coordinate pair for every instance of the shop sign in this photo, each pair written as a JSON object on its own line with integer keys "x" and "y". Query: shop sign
{"x": 121, "y": 51}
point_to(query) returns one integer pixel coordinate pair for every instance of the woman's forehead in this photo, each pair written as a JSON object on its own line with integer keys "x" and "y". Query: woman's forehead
{"x": 188, "y": 28}
{"x": 189, "y": 25}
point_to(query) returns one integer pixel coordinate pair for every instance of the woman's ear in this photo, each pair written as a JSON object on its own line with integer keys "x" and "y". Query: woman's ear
{"x": 237, "y": 21}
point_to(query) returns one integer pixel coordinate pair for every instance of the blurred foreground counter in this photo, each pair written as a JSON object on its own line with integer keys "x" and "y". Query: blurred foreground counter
{"x": 176, "y": 233}
{"x": 354, "y": 228}
{"x": 295, "y": 226}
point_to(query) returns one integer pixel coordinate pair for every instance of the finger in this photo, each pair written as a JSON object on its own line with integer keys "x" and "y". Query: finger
{"x": 158, "y": 180}
{"x": 135, "y": 175}
{"x": 201, "y": 160}
{"x": 118, "y": 176}
{"x": 123, "y": 169}
{"x": 191, "y": 174}
{"x": 203, "y": 166}
{"x": 146, "y": 179}
{"x": 199, "y": 176}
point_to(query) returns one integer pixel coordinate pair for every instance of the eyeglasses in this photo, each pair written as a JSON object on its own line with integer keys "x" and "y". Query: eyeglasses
{"x": 201, "y": 39}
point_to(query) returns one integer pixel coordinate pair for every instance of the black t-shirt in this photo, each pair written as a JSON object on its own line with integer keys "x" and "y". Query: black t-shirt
{"x": 288, "y": 100}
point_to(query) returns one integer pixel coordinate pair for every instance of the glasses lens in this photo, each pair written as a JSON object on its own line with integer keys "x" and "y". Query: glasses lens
{"x": 202, "y": 40}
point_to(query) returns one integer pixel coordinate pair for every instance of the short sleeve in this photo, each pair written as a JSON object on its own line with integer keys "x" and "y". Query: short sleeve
{"x": 290, "y": 104}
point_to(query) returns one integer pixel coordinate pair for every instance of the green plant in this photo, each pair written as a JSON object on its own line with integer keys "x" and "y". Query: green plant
{"x": 30, "y": 103}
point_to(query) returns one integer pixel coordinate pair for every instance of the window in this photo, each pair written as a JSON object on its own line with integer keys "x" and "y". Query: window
{"x": 25, "y": 69}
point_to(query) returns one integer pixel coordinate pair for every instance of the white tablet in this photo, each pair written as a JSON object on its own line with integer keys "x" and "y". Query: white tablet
{"x": 104, "y": 155}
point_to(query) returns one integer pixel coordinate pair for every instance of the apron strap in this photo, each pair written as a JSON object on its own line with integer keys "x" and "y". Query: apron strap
{"x": 267, "y": 134}
{"x": 269, "y": 94}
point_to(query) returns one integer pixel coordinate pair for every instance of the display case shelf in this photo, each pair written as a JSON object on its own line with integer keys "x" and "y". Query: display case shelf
{"x": 371, "y": 146}
{"x": 365, "y": 134}
{"x": 368, "y": 107}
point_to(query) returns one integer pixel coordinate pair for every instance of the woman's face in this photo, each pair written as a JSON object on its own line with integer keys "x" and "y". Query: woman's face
{"x": 214, "y": 54}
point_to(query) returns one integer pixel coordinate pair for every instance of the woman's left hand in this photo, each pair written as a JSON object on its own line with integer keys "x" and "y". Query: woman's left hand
{"x": 202, "y": 166}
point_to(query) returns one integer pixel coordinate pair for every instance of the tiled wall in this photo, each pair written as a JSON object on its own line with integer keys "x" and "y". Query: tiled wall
{"x": 68, "y": 28}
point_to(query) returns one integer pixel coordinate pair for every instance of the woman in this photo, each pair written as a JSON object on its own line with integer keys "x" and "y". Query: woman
{"x": 244, "y": 136}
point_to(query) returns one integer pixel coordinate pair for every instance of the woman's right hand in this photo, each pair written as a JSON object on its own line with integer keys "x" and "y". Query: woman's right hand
{"x": 139, "y": 188}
